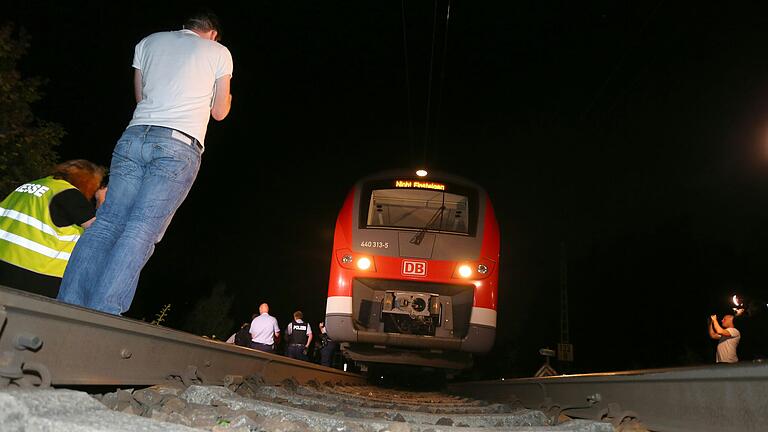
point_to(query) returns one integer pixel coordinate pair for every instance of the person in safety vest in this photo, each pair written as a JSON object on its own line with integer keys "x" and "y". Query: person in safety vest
{"x": 40, "y": 222}
{"x": 298, "y": 337}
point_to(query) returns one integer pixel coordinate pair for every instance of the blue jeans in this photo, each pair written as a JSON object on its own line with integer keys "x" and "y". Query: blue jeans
{"x": 150, "y": 175}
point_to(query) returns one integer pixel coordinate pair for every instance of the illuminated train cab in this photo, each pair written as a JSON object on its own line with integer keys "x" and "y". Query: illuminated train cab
{"x": 414, "y": 272}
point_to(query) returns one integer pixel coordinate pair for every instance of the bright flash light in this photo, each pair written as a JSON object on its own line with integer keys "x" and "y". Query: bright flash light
{"x": 736, "y": 300}
{"x": 364, "y": 263}
{"x": 465, "y": 271}
{"x": 421, "y": 173}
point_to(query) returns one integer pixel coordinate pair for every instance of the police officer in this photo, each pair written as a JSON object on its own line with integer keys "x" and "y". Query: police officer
{"x": 298, "y": 337}
{"x": 328, "y": 347}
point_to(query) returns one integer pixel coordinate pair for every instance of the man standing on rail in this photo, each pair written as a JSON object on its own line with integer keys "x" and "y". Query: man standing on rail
{"x": 727, "y": 336}
{"x": 181, "y": 79}
{"x": 298, "y": 337}
{"x": 265, "y": 333}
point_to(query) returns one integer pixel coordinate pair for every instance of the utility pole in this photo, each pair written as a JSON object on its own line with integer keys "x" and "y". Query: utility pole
{"x": 564, "y": 348}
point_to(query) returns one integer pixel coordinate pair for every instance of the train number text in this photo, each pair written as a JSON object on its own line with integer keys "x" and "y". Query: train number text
{"x": 374, "y": 244}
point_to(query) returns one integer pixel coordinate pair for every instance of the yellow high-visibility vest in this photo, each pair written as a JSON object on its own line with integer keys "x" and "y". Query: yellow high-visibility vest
{"x": 28, "y": 237}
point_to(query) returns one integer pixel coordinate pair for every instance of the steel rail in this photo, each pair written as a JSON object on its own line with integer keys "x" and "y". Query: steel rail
{"x": 46, "y": 342}
{"x": 711, "y": 398}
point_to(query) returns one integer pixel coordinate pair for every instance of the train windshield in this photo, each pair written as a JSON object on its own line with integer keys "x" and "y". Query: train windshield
{"x": 419, "y": 209}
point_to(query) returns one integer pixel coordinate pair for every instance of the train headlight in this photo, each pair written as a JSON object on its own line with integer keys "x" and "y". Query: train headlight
{"x": 352, "y": 261}
{"x": 364, "y": 263}
{"x": 475, "y": 269}
{"x": 465, "y": 271}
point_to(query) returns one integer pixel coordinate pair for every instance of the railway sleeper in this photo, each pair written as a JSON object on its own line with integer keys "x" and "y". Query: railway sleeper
{"x": 620, "y": 417}
{"x": 612, "y": 412}
{"x": 190, "y": 376}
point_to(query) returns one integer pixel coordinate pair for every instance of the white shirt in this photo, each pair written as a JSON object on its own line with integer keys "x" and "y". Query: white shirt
{"x": 179, "y": 70}
{"x": 726, "y": 347}
{"x": 263, "y": 329}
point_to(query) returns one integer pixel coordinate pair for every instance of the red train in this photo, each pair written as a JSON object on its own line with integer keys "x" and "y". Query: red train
{"x": 414, "y": 272}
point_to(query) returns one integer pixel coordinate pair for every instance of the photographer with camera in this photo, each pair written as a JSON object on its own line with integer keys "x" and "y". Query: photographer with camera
{"x": 727, "y": 337}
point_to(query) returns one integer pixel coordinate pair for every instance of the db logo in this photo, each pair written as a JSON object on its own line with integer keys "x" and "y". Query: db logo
{"x": 414, "y": 268}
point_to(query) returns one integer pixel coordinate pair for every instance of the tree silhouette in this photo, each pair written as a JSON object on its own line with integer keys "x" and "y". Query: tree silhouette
{"x": 26, "y": 142}
{"x": 211, "y": 315}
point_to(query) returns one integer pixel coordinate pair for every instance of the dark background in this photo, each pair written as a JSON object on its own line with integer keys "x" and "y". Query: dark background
{"x": 633, "y": 134}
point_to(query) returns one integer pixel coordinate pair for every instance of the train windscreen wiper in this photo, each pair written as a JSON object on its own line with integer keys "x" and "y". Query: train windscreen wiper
{"x": 419, "y": 237}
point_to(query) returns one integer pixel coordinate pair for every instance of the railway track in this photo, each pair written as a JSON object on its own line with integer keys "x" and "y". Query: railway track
{"x": 713, "y": 398}
{"x": 44, "y": 342}
{"x": 214, "y": 385}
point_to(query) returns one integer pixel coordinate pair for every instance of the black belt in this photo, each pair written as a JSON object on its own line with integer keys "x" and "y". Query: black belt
{"x": 301, "y": 345}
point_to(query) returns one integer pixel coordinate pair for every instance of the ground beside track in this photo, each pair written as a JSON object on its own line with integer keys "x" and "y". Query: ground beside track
{"x": 254, "y": 406}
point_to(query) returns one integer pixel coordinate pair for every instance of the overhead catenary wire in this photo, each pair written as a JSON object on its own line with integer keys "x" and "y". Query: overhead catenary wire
{"x": 618, "y": 64}
{"x": 430, "y": 131}
{"x": 442, "y": 77}
{"x": 411, "y": 133}
{"x": 429, "y": 85}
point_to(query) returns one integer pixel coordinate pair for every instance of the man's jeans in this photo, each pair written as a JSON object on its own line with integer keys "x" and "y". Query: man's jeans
{"x": 150, "y": 176}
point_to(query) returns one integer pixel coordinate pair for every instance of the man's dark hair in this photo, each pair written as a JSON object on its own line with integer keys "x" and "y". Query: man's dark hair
{"x": 731, "y": 313}
{"x": 203, "y": 20}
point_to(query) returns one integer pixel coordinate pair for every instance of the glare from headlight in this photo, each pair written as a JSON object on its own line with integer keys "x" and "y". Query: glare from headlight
{"x": 465, "y": 271}
{"x": 364, "y": 263}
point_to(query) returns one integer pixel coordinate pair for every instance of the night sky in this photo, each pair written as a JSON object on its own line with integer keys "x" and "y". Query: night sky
{"x": 636, "y": 135}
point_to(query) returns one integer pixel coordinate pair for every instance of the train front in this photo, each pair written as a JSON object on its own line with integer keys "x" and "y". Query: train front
{"x": 414, "y": 272}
